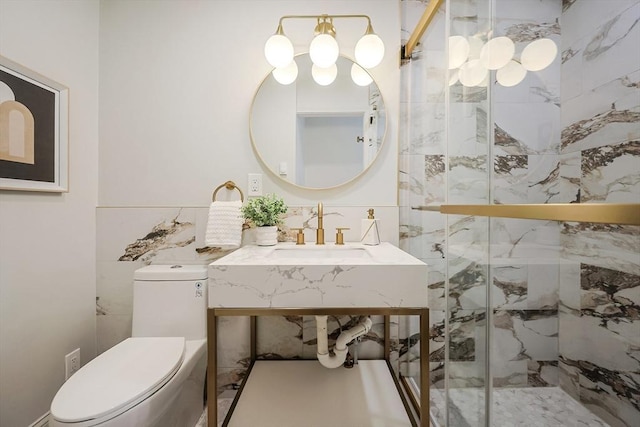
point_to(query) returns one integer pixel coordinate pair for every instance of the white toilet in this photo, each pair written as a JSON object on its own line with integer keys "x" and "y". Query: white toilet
{"x": 155, "y": 378}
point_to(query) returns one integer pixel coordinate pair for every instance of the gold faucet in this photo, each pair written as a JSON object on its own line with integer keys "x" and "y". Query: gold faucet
{"x": 320, "y": 230}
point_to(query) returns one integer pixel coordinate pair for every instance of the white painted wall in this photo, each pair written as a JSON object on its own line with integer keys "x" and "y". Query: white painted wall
{"x": 176, "y": 84}
{"x": 47, "y": 241}
{"x": 176, "y": 80}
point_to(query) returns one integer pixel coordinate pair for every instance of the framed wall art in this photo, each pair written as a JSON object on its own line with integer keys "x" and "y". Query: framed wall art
{"x": 34, "y": 134}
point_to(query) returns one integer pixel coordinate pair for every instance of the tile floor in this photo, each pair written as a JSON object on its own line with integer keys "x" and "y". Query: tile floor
{"x": 545, "y": 407}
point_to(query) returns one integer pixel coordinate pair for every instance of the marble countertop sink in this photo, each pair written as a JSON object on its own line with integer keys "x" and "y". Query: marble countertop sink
{"x": 302, "y": 276}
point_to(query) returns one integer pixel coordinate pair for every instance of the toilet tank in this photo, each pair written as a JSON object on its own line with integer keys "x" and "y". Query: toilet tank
{"x": 170, "y": 301}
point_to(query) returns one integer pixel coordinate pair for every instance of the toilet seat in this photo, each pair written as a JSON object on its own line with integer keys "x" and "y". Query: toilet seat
{"x": 118, "y": 379}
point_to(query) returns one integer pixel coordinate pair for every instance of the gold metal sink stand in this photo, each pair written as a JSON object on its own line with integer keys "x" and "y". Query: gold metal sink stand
{"x": 418, "y": 412}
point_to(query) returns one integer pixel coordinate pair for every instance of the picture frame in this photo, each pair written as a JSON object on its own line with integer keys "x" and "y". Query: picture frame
{"x": 34, "y": 130}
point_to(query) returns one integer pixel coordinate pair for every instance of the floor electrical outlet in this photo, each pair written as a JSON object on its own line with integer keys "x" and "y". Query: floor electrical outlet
{"x": 71, "y": 363}
{"x": 255, "y": 184}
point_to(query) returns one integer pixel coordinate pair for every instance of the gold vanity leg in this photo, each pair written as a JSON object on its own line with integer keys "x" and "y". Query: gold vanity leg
{"x": 424, "y": 368}
{"x": 253, "y": 328}
{"x": 212, "y": 369}
{"x": 387, "y": 339}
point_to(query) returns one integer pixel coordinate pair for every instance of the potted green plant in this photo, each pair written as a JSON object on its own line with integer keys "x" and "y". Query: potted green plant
{"x": 264, "y": 213}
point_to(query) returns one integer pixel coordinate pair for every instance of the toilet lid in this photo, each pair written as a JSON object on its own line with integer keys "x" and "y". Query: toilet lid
{"x": 118, "y": 379}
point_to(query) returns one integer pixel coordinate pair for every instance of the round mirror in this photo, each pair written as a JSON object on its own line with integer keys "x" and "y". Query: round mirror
{"x": 318, "y": 135}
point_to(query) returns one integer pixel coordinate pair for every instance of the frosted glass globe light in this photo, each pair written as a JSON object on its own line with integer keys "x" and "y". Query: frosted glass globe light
{"x": 324, "y": 50}
{"x": 458, "y": 51}
{"x": 497, "y": 53}
{"x": 360, "y": 76}
{"x": 453, "y": 77}
{"x": 286, "y": 75}
{"x": 485, "y": 81}
{"x": 324, "y": 76}
{"x": 475, "y": 46}
{"x": 278, "y": 50}
{"x": 369, "y": 50}
{"x": 538, "y": 54}
{"x": 511, "y": 74}
{"x": 472, "y": 73}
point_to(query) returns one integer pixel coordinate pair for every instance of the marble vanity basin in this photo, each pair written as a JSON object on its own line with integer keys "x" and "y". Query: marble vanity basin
{"x": 306, "y": 276}
{"x": 319, "y": 252}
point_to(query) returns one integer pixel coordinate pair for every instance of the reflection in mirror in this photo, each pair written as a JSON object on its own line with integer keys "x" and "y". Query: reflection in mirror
{"x": 317, "y": 136}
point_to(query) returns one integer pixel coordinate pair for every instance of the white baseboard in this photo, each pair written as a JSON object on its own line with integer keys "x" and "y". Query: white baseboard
{"x": 43, "y": 421}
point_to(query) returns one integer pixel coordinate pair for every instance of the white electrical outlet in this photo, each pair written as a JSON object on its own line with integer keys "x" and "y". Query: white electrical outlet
{"x": 71, "y": 363}
{"x": 255, "y": 184}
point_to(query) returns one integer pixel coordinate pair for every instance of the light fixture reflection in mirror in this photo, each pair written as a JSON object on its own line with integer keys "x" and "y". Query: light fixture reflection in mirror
{"x": 475, "y": 47}
{"x": 324, "y": 76}
{"x": 458, "y": 51}
{"x": 497, "y": 54}
{"x": 286, "y": 75}
{"x": 539, "y": 54}
{"x": 314, "y": 136}
{"x": 511, "y": 74}
{"x": 360, "y": 76}
{"x": 472, "y": 73}
{"x": 453, "y": 77}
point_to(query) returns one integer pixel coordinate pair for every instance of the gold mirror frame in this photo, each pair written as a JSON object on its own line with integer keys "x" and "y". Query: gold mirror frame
{"x": 275, "y": 173}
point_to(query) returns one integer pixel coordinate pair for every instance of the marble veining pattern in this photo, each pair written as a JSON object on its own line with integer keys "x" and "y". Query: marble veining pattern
{"x": 250, "y": 277}
{"x": 510, "y": 179}
{"x": 508, "y": 143}
{"x": 600, "y": 365}
{"x": 528, "y": 32}
{"x": 608, "y": 37}
{"x": 614, "y": 298}
{"x": 584, "y": 128}
{"x": 609, "y": 246}
{"x": 609, "y": 174}
{"x": 468, "y": 179}
{"x": 165, "y": 235}
{"x": 566, "y": 4}
{"x": 525, "y": 334}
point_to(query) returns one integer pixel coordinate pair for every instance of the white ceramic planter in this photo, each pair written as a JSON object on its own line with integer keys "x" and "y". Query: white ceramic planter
{"x": 267, "y": 236}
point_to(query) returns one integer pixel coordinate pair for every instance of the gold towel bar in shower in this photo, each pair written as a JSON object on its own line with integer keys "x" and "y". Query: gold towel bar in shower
{"x": 229, "y": 185}
{"x": 607, "y": 213}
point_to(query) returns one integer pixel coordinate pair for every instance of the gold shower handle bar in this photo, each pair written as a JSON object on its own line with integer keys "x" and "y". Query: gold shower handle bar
{"x": 604, "y": 213}
{"x": 229, "y": 185}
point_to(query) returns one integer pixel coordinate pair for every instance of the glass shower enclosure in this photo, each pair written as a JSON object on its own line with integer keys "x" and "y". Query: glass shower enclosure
{"x": 533, "y": 321}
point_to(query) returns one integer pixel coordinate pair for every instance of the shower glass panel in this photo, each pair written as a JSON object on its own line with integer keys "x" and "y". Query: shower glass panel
{"x": 468, "y": 317}
{"x": 530, "y": 319}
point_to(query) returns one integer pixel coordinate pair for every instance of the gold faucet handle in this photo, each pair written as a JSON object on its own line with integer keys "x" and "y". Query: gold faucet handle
{"x": 340, "y": 236}
{"x": 299, "y": 236}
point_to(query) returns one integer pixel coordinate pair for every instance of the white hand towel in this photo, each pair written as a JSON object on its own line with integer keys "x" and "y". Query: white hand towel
{"x": 224, "y": 227}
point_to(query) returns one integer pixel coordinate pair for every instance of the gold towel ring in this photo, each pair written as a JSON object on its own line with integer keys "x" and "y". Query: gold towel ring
{"x": 229, "y": 185}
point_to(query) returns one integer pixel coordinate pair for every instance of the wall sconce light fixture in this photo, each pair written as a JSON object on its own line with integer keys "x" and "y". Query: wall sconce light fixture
{"x": 323, "y": 50}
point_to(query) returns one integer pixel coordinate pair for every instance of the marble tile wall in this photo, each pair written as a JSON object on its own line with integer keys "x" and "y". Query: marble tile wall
{"x": 567, "y": 134}
{"x": 422, "y": 170}
{"x": 448, "y": 159}
{"x": 130, "y": 238}
{"x": 599, "y": 318}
